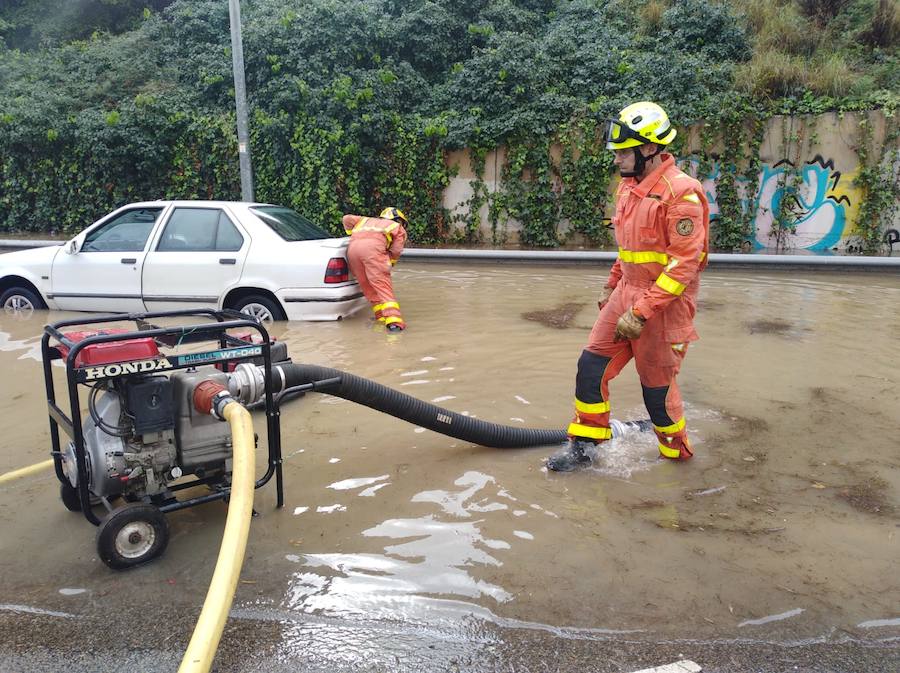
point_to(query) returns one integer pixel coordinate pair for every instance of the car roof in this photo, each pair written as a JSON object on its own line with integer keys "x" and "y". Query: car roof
{"x": 195, "y": 202}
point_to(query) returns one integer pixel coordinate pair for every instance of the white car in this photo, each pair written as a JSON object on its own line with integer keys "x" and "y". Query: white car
{"x": 261, "y": 259}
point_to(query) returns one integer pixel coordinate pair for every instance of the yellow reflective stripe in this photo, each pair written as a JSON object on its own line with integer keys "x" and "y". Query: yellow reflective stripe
{"x": 390, "y": 304}
{"x": 669, "y": 284}
{"x": 678, "y": 347}
{"x": 596, "y": 408}
{"x": 669, "y": 452}
{"x": 392, "y": 319}
{"x": 693, "y": 198}
{"x": 383, "y": 230}
{"x": 378, "y": 307}
{"x": 643, "y": 257}
{"x": 670, "y": 429}
{"x": 702, "y": 255}
{"x": 589, "y": 431}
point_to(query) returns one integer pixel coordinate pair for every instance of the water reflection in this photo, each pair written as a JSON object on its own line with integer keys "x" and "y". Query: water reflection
{"x": 436, "y": 558}
{"x": 30, "y": 347}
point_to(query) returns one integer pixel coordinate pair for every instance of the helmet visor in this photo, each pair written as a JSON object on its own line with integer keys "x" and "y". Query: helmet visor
{"x": 617, "y": 132}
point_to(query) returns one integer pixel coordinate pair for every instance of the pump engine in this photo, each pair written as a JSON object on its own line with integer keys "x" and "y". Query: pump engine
{"x": 143, "y": 432}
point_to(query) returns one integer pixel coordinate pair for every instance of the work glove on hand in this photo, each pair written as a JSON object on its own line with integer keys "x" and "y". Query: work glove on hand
{"x": 629, "y": 326}
{"x": 605, "y": 294}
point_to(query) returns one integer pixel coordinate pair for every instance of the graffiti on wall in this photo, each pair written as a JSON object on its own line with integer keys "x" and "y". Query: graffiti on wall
{"x": 823, "y": 202}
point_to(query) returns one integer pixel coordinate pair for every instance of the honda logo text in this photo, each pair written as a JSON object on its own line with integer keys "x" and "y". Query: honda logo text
{"x": 118, "y": 369}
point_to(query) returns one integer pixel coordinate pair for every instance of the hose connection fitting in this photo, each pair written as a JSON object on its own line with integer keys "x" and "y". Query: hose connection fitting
{"x": 210, "y": 398}
{"x": 247, "y": 383}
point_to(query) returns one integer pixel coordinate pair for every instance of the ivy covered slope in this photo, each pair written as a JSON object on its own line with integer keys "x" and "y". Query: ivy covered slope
{"x": 355, "y": 103}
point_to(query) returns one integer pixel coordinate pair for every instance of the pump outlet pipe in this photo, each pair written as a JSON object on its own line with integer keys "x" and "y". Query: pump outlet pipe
{"x": 402, "y": 406}
{"x": 212, "y": 398}
{"x": 247, "y": 385}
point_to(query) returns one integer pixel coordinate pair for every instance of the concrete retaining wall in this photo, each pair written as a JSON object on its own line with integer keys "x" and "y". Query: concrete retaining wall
{"x": 826, "y": 206}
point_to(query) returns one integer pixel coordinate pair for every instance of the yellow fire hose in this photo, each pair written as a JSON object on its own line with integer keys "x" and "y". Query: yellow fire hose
{"x": 200, "y": 652}
{"x": 26, "y": 471}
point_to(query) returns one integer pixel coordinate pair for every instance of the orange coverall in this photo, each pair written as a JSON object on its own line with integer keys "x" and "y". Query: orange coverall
{"x": 662, "y": 229}
{"x": 375, "y": 246}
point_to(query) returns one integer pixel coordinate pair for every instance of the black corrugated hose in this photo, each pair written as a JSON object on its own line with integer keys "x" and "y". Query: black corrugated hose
{"x": 387, "y": 400}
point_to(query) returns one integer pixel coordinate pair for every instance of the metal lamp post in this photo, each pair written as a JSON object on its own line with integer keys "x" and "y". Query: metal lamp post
{"x": 240, "y": 99}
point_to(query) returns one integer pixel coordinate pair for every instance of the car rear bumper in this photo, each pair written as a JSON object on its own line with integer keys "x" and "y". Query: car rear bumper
{"x": 322, "y": 303}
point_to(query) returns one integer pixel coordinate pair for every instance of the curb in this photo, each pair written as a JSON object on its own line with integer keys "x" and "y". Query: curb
{"x": 856, "y": 262}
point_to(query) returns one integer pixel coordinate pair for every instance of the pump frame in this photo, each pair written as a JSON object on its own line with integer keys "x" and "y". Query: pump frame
{"x": 229, "y": 351}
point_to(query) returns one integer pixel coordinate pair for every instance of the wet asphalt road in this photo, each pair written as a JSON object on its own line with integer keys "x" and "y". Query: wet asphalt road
{"x": 278, "y": 642}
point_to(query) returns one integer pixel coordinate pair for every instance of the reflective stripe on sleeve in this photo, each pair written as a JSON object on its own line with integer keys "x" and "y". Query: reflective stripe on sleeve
{"x": 390, "y": 304}
{"x": 589, "y": 431}
{"x": 392, "y": 319}
{"x": 596, "y": 408}
{"x": 670, "y": 429}
{"x": 643, "y": 256}
{"x": 669, "y": 284}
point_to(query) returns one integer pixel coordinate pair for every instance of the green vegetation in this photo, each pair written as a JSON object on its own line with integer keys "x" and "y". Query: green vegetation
{"x": 355, "y": 103}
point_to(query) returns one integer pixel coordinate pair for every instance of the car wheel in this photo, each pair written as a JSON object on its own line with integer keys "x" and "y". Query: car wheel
{"x": 131, "y": 535}
{"x": 261, "y": 308}
{"x": 20, "y": 302}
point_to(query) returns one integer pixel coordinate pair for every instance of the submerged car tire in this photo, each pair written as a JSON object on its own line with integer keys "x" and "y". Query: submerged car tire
{"x": 21, "y": 301}
{"x": 131, "y": 535}
{"x": 260, "y": 307}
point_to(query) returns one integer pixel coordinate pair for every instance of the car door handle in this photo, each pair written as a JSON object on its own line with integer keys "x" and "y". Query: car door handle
{"x": 227, "y": 260}
{"x": 129, "y": 260}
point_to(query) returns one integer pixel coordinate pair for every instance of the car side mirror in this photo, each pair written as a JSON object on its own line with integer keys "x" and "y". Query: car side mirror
{"x": 73, "y": 246}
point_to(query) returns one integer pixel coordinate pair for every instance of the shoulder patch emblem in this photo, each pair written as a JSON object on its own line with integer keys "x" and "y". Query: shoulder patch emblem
{"x": 684, "y": 227}
{"x": 693, "y": 198}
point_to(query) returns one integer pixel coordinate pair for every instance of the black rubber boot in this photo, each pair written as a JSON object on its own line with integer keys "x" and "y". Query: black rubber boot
{"x": 575, "y": 454}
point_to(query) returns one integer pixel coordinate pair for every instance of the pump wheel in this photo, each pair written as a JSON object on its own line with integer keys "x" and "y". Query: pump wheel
{"x": 69, "y": 495}
{"x": 132, "y": 534}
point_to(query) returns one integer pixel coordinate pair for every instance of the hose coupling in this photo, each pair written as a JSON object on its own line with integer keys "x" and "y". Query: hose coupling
{"x": 247, "y": 383}
{"x": 211, "y": 397}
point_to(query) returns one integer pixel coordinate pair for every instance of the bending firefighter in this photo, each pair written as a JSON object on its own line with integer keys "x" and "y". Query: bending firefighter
{"x": 647, "y": 307}
{"x": 375, "y": 246}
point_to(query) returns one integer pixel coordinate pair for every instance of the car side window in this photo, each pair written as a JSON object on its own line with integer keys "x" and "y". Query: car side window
{"x": 126, "y": 232}
{"x": 199, "y": 230}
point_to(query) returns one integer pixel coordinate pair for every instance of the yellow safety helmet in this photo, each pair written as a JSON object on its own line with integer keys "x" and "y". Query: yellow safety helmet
{"x": 639, "y": 124}
{"x": 391, "y": 213}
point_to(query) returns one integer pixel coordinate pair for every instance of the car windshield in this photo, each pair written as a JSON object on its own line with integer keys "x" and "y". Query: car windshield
{"x": 290, "y": 225}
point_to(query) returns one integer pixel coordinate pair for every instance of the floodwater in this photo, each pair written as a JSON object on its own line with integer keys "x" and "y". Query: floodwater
{"x": 402, "y": 549}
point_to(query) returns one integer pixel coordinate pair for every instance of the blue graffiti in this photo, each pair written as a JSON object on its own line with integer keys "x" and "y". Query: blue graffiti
{"x": 818, "y": 217}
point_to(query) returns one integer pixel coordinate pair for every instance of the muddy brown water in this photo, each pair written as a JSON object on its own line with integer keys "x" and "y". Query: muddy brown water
{"x": 783, "y": 527}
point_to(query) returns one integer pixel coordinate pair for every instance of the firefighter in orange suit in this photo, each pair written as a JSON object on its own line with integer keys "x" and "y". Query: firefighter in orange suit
{"x": 375, "y": 247}
{"x": 647, "y": 307}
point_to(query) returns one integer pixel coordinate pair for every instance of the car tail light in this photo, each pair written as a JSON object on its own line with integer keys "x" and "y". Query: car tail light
{"x": 337, "y": 270}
